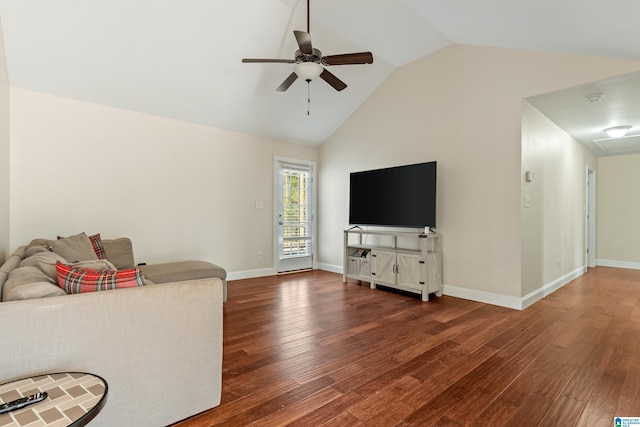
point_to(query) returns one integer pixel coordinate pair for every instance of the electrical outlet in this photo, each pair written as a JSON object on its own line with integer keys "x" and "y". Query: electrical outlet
{"x": 259, "y": 255}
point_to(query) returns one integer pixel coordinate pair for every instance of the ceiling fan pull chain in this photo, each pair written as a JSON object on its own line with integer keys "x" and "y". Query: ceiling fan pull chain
{"x": 308, "y": 96}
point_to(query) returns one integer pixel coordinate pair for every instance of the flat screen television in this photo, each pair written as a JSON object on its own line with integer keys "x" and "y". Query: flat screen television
{"x": 401, "y": 196}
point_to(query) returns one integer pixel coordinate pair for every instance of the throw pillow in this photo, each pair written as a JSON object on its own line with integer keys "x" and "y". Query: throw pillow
{"x": 96, "y": 264}
{"x": 31, "y": 291}
{"x": 45, "y": 262}
{"x": 75, "y": 280}
{"x": 74, "y": 248}
{"x": 24, "y": 276}
{"x": 96, "y": 242}
{"x": 119, "y": 252}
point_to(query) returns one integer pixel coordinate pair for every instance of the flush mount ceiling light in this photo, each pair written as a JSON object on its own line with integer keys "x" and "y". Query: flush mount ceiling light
{"x": 617, "y": 131}
{"x": 308, "y": 70}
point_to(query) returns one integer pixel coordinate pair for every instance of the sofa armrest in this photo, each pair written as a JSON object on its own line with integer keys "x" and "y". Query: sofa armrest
{"x": 154, "y": 345}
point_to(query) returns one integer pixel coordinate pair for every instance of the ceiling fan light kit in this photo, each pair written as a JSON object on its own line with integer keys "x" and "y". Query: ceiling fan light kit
{"x": 310, "y": 64}
{"x": 308, "y": 70}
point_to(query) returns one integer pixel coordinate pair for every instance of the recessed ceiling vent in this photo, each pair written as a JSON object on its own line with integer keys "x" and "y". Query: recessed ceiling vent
{"x": 627, "y": 144}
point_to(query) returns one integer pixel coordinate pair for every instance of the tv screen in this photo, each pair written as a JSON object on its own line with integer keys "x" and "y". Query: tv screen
{"x": 401, "y": 196}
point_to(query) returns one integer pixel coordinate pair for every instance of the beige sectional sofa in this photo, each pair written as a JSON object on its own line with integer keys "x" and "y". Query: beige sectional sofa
{"x": 159, "y": 346}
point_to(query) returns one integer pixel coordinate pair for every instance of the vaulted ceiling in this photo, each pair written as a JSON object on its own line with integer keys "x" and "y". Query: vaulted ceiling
{"x": 181, "y": 59}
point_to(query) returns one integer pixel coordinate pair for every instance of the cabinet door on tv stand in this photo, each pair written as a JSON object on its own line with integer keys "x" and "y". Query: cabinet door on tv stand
{"x": 409, "y": 271}
{"x": 383, "y": 267}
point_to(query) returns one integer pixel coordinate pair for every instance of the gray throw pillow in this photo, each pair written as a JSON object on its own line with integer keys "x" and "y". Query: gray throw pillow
{"x": 119, "y": 252}
{"x": 74, "y": 248}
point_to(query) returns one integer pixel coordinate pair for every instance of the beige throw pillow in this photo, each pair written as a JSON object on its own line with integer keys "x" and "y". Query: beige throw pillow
{"x": 74, "y": 248}
{"x": 28, "y": 282}
{"x": 45, "y": 262}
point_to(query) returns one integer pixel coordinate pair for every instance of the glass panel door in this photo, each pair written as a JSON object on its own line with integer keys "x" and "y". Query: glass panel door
{"x": 294, "y": 217}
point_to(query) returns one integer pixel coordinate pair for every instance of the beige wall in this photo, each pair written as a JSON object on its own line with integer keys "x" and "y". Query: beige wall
{"x": 461, "y": 106}
{"x": 618, "y": 211}
{"x": 553, "y": 222}
{"x": 4, "y": 155}
{"x": 179, "y": 190}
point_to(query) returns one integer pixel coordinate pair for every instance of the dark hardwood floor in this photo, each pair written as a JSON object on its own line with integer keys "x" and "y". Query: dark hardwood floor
{"x": 307, "y": 350}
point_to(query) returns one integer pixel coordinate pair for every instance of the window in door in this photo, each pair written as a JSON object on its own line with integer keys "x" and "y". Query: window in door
{"x": 294, "y": 216}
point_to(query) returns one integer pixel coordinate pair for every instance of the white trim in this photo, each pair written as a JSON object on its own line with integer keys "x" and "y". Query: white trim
{"x": 501, "y": 300}
{"x": 484, "y": 297}
{"x": 250, "y": 274}
{"x": 513, "y": 302}
{"x": 550, "y": 288}
{"x": 277, "y": 160}
{"x": 294, "y": 161}
{"x": 330, "y": 267}
{"x": 619, "y": 264}
{"x": 590, "y": 218}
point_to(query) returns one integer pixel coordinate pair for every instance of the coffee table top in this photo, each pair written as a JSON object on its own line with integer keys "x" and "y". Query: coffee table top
{"x": 75, "y": 398}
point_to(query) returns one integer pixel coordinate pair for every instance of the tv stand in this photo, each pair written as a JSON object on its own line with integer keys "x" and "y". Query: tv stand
{"x": 407, "y": 261}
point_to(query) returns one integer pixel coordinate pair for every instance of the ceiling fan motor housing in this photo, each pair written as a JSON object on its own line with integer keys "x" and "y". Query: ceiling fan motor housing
{"x": 316, "y": 56}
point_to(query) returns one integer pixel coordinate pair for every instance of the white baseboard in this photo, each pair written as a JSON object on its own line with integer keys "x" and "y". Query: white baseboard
{"x": 618, "y": 264}
{"x": 250, "y": 274}
{"x": 501, "y": 300}
{"x": 483, "y": 296}
{"x": 550, "y": 288}
{"x": 330, "y": 267}
{"x": 515, "y": 303}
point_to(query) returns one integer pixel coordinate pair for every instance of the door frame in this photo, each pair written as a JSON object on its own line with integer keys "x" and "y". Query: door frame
{"x": 590, "y": 218}
{"x": 314, "y": 203}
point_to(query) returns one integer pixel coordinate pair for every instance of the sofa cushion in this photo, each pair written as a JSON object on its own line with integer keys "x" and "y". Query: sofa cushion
{"x": 45, "y": 262}
{"x": 25, "y": 276}
{"x": 74, "y": 248}
{"x": 182, "y": 270}
{"x": 78, "y": 280}
{"x": 37, "y": 242}
{"x": 33, "y": 290}
{"x": 9, "y": 265}
{"x": 32, "y": 250}
{"x": 119, "y": 252}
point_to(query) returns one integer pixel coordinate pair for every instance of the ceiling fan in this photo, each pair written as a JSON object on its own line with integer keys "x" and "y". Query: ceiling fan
{"x": 309, "y": 62}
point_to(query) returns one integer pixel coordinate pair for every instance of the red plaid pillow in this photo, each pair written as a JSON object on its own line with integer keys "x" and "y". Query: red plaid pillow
{"x": 74, "y": 280}
{"x": 96, "y": 242}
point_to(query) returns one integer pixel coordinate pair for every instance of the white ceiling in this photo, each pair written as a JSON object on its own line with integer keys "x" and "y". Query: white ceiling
{"x": 182, "y": 58}
{"x": 615, "y": 102}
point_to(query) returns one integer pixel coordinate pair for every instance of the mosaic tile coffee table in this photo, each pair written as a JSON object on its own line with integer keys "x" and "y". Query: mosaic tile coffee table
{"x": 75, "y": 398}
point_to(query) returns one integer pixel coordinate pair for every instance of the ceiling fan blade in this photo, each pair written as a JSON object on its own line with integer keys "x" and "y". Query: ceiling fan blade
{"x": 304, "y": 42}
{"x": 282, "y": 61}
{"x": 287, "y": 82}
{"x": 335, "y": 82}
{"x": 349, "y": 58}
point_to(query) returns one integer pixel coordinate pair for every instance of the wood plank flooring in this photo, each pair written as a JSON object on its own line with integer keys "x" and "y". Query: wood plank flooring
{"x": 307, "y": 350}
